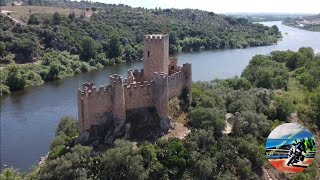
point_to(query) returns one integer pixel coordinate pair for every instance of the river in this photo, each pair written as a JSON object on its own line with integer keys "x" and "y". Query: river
{"x": 29, "y": 117}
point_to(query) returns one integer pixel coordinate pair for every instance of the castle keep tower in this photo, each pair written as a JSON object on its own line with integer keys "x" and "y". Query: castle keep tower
{"x": 155, "y": 54}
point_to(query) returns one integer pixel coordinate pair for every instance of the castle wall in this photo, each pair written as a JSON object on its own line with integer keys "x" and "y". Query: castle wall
{"x": 92, "y": 105}
{"x": 176, "y": 84}
{"x": 138, "y": 95}
{"x": 179, "y": 79}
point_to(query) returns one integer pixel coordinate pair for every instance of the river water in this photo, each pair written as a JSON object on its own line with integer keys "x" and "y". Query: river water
{"x": 29, "y": 117}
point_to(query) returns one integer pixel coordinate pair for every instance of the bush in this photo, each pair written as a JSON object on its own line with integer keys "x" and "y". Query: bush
{"x": 2, "y": 49}
{"x": 68, "y": 126}
{"x": 88, "y": 49}
{"x": 85, "y": 67}
{"x": 284, "y": 107}
{"x": 266, "y": 73}
{"x": 16, "y": 80}
{"x": 10, "y": 174}
{"x": 4, "y": 89}
{"x": 207, "y": 118}
{"x": 33, "y": 20}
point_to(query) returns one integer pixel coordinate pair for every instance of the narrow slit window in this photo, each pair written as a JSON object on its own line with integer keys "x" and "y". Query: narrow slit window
{"x": 148, "y": 53}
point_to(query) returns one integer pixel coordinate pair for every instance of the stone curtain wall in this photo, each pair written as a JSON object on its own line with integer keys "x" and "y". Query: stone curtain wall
{"x": 176, "y": 84}
{"x": 179, "y": 80}
{"x": 139, "y": 95}
{"x": 128, "y": 94}
{"x": 92, "y": 104}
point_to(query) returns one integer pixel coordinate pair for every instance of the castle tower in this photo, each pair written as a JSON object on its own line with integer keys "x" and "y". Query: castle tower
{"x": 117, "y": 97}
{"x": 155, "y": 55}
{"x": 161, "y": 94}
{"x": 187, "y": 70}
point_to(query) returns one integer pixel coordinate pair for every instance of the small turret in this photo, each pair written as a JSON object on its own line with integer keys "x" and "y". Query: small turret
{"x": 160, "y": 94}
{"x": 187, "y": 70}
{"x": 117, "y": 97}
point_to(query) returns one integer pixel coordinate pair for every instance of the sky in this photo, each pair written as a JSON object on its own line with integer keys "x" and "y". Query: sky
{"x": 229, "y": 6}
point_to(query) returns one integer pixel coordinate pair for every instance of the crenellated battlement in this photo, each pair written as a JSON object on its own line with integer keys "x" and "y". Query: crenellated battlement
{"x": 135, "y": 75}
{"x": 155, "y": 36}
{"x": 92, "y": 90}
{"x": 176, "y": 75}
{"x": 160, "y": 75}
{"x": 173, "y": 61}
{"x": 186, "y": 66}
{"x": 116, "y": 79}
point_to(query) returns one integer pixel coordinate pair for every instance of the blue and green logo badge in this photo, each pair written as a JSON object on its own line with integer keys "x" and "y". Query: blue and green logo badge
{"x": 290, "y": 148}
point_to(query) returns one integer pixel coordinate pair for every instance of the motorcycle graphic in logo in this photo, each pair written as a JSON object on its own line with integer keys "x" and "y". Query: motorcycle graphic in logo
{"x": 290, "y": 148}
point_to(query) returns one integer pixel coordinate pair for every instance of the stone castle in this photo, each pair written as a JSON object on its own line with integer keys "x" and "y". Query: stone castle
{"x": 159, "y": 81}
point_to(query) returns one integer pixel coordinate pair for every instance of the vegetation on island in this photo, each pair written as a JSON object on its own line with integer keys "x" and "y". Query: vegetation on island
{"x": 270, "y": 89}
{"x": 54, "y": 46}
{"x": 311, "y": 23}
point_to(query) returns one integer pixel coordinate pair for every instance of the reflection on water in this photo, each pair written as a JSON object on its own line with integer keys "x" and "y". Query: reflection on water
{"x": 29, "y": 118}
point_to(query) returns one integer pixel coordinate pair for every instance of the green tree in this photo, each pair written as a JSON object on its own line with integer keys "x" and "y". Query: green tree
{"x": 68, "y": 125}
{"x": 94, "y": 9}
{"x": 207, "y": 118}
{"x": 10, "y": 174}
{"x": 120, "y": 162}
{"x": 72, "y": 16}
{"x": 26, "y": 50}
{"x": 249, "y": 122}
{"x": 16, "y": 79}
{"x": 88, "y": 49}
{"x": 56, "y": 19}
{"x": 284, "y": 107}
{"x": 114, "y": 49}
{"x": 307, "y": 51}
{"x": 315, "y": 103}
{"x": 72, "y": 165}
{"x": 33, "y": 20}
{"x": 2, "y": 49}
{"x": 266, "y": 73}
{"x": 54, "y": 70}
{"x": 172, "y": 154}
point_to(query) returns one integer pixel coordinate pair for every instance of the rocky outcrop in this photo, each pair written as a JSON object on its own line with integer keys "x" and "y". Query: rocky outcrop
{"x": 140, "y": 124}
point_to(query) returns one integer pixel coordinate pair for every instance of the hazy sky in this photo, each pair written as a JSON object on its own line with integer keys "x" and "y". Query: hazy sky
{"x": 223, "y": 6}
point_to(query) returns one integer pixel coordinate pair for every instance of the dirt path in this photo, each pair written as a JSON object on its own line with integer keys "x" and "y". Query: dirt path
{"x": 178, "y": 131}
{"x": 266, "y": 175}
{"x": 228, "y": 128}
{"x": 16, "y": 21}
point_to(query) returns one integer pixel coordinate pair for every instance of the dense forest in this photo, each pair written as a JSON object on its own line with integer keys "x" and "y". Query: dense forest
{"x": 270, "y": 89}
{"x": 54, "y": 46}
{"x": 311, "y": 23}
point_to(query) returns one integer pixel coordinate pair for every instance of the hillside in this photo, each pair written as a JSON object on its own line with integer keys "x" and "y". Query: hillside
{"x": 311, "y": 23}
{"x": 23, "y": 12}
{"x": 62, "y": 43}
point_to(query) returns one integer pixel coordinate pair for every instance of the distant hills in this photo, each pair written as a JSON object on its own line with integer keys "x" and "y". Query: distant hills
{"x": 311, "y": 23}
